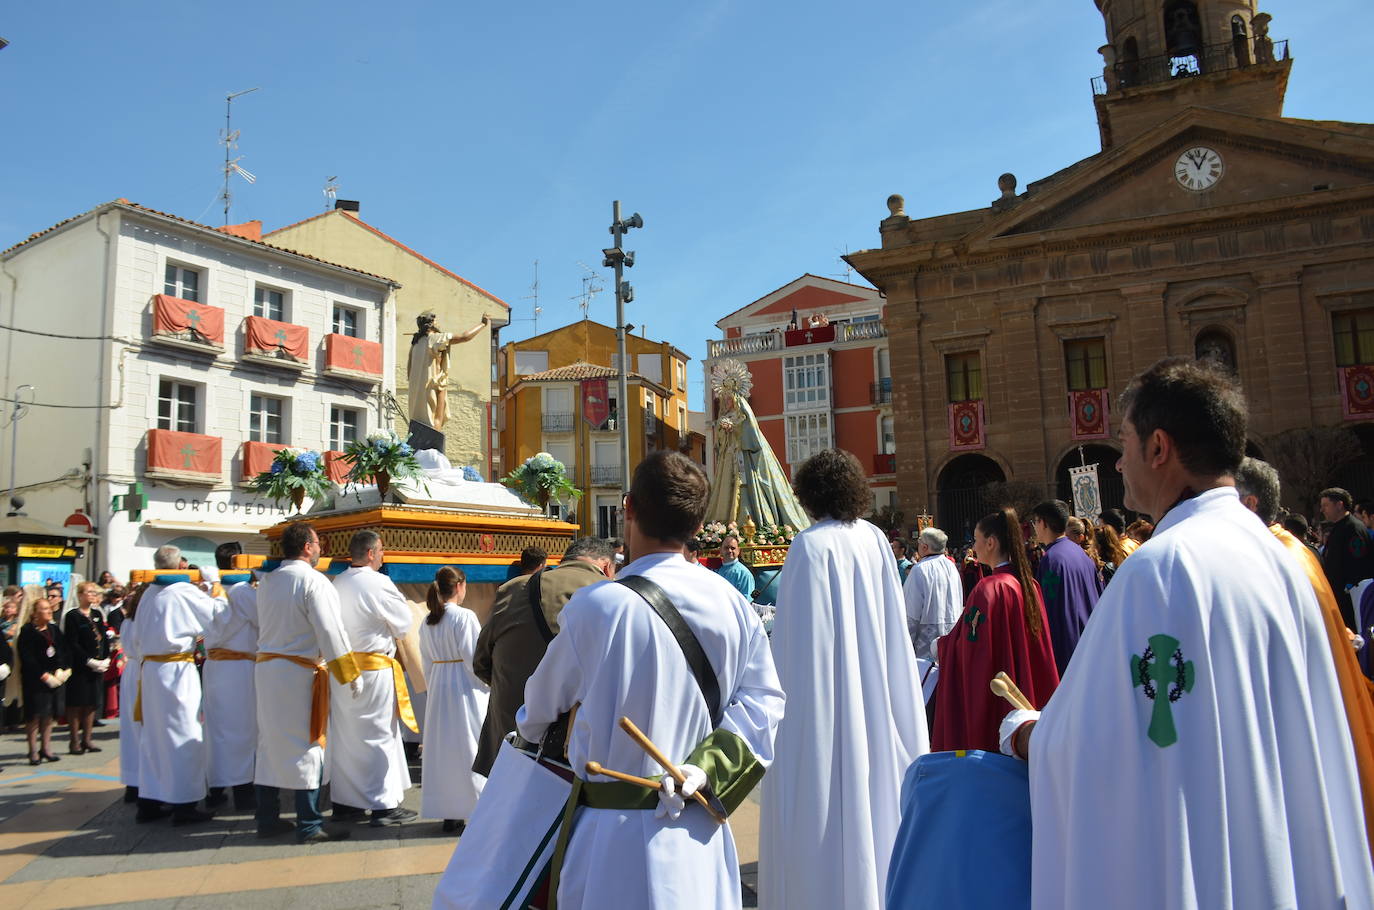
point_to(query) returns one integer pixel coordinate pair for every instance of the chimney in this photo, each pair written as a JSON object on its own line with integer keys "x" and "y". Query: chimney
{"x": 249, "y": 230}
{"x": 346, "y": 205}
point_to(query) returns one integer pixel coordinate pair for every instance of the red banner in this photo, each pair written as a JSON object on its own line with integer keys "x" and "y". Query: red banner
{"x": 966, "y": 430}
{"x": 184, "y": 453}
{"x": 269, "y": 336}
{"x": 336, "y": 467}
{"x": 257, "y": 457}
{"x": 596, "y": 401}
{"x": 1357, "y": 392}
{"x": 821, "y": 334}
{"x": 342, "y": 352}
{"x": 174, "y": 316}
{"x": 1088, "y": 415}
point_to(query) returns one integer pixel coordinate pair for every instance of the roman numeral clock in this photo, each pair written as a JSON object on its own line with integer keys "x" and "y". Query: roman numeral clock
{"x": 1198, "y": 169}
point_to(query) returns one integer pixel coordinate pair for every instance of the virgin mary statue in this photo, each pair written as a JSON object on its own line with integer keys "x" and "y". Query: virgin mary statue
{"x": 748, "y": 481}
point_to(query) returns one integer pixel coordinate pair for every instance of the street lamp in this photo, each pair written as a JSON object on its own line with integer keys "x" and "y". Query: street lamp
{"x": 620, "y": 259}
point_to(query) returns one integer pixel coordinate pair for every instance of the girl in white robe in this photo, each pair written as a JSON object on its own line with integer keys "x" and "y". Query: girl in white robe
{"x": 456, "y": 706}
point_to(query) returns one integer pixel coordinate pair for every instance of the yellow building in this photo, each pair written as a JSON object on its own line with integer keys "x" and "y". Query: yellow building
{"x": 551, "y": 392}
{"x": 341, "y": 235}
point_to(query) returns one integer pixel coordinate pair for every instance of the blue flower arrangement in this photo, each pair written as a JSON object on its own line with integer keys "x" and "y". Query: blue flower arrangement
{"x": 295, "y": 474}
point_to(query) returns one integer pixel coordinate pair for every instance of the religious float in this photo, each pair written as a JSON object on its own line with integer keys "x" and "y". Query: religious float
{"x": 750, "y": 494}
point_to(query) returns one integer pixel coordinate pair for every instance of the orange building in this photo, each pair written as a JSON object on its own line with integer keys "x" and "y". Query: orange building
{"x": 559, "y": 394}
{"x": 817, "y": 350}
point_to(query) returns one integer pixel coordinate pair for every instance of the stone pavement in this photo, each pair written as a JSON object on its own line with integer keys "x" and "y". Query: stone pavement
{"x": 68, "y": 840}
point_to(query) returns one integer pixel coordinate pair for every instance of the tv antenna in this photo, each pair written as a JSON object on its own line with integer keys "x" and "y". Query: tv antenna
{"x": 534, "y": 295}
{"x": 230, "y": 140}
{"x": 848, "y": 269}
{"x": 590, "y": 289}
{"x": 331, "y": 192}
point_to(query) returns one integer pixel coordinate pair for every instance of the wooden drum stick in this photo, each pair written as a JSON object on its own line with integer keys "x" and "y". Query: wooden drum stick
{"x": 595, "y": 768}
{"x": 1002, "y": 685}
{"x": 657, "y": 755}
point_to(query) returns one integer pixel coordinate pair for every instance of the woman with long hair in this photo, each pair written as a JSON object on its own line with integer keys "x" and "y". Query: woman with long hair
{"x": 44, "y": 666}
{"x": 1110, "y": 550}
{"x": 87, "y": 637}
{"x": 457, "y": 703}
{"x": 1003, "y": 628}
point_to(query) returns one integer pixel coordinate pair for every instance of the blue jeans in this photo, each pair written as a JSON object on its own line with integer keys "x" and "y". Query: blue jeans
{"x": 308, "y": 817}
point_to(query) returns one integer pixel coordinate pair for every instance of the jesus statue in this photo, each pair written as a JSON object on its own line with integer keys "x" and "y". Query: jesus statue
{"x": 427, "y": 368}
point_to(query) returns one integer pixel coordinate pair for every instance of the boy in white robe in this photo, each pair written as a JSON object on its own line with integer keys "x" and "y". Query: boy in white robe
{"x": 231, "y": 710}
{"x": 614, "y": 656}
{"x": 366, "y": 757}
{"x": 1196, "y": 753}
{"x": 171, "y": 616}
{"x": 301, "y": 643}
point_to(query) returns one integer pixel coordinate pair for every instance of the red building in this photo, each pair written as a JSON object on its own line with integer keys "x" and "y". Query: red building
{"x": 817, "y": 350}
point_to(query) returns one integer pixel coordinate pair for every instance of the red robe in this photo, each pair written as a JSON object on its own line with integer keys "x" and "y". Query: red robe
{"x": 990, "y": 636}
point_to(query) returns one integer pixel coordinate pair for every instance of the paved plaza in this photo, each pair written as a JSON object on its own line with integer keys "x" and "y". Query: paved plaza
{"x": 67, "y": 839}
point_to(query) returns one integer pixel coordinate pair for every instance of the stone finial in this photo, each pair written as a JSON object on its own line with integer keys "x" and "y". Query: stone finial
{"x": 896, "y": 204}
{"x": 1108, "y": 53}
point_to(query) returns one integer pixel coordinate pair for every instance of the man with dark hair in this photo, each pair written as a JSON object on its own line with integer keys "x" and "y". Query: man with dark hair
{"x": 532, "y": 559}
{"x": 732, "y": 570}
{"x": 1195, "y": 630}
{"x": 1348, "y": 558}
{"x": 616, "y": 657}
{"x": 230, "y": 705}
{"x": 301, "y": 643}
{"x": 691, "y": 551}
{"x": 856, "y": 719}
{"x": 366, "y": 758}
{"x": 1364, "y": 511}
{"x": 1068, "y": 579}
{"x": 900, "y": 551}
{"x": 519, "y": 631}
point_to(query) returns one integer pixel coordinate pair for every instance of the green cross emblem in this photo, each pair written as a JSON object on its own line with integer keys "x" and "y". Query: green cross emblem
{"x": 193, "y": 317}
{"x": 188, "y": 451}
{"x": 972, "y": 618}
{"x": 1052, "y": 586}
{"x": 281, "y": 337}
{"x": 357, "y": 355}
{"x": 1152, "y": 670}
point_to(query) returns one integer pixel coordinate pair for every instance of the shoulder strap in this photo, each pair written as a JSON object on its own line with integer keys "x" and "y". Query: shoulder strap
{"x": 686, "y": 639}
{"x": 537, "y": 607}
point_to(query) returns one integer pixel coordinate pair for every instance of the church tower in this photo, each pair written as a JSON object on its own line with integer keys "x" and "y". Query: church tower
{"x": 1165, "y": 55}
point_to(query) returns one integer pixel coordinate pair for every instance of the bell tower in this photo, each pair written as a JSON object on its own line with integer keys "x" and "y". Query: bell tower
{"x": 1165, "y": 55}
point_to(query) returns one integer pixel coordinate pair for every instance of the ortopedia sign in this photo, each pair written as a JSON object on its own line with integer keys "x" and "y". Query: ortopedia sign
{"x": 214, "y": 507}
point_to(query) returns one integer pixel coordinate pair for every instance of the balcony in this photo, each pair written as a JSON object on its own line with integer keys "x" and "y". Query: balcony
{"x": 183, "y": 457}
{"x": 273, "y": 343}
{"x": 605, "y": 475}
{"x": 346, "y": 357}
{"x": 188, "y": 325}
{"x": 1214, "y": 58}
{"x": 880, "y": 392}
{"x": 653, "y": 426}
{"x": 257, "y": 457}
{"x": 885, "y": 463}
{"x": 748, "y": 344}
{"x": 336, "y": 467}
{"x": 559, "y": 423}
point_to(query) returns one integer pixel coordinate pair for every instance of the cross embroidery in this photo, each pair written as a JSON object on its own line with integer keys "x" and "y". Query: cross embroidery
{"x": 281, "y": 337}
{"x": 972, "y": 618}
{"x": 193, "y": 317}
{"x": 1147, "y": 670}
{"x": 188, "y": 452}
{"x": 357, "y": 355}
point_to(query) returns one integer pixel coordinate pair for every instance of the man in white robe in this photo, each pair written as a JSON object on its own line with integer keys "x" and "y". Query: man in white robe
{"x": 301, "y": 643}
{"x": 934, "y": 593}
{"x": 366, "y": 757}
{"x": 171, "y": 762}
{"x": 1196, "y": 753}
{"x": 855, "y": 718}
{"x": 614, "y": 656}
{"x": 231, "y": 710}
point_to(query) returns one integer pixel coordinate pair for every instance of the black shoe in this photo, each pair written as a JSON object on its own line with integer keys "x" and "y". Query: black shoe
{"x": 276, "y": 828}
{"x": 130, "y": 794}
{"x": 216, "y": 797}
{"x": 397, "y": 816}
{"x": 47, "y": 757}
{"x": 90, "y": 748}
{"x": 454, "y": 826}
{"x": 245, "y": 798}
{"x": 344, "y": 813}
{"x": 149, "y": 811}
{"x": 76, "y": 750}
{"x": 190, "y": 815}
{"x": 98, "y": 723}
{"x": 35, "y": 760}
{"x": 325, "y": 835}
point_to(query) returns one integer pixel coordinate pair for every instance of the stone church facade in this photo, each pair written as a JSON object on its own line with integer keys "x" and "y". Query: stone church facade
{"x": 1208, "y": 225}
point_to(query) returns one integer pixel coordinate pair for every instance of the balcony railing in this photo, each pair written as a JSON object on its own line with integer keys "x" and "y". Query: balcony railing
{"x": 189, "y": 457}
{"x": 880, "y": 392}
{"x": 605, "y": 475}
{"x": 188, "y": 324}
{"x": 1214, "y": 58}
{"x": 352, "y": 358}
{"x": 884, "y": 463}
{"x": 558, "y": 423}
{"x": 862, "y": 331}
{"x": 257, "y": 457}
{"x": 748, "y": 344}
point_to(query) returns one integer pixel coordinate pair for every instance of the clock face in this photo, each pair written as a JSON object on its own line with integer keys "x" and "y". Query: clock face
{"x": 1199, "y": 169}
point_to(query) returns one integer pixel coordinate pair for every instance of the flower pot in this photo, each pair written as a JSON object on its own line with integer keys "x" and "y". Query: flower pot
{"x": 383, "y": 483}
{"x": 297, "y": 497}
{"x": 544, "y": 500}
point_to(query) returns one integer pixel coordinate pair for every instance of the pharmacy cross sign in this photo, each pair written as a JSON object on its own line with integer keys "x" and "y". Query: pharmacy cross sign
{"x": 1151, "y": 670}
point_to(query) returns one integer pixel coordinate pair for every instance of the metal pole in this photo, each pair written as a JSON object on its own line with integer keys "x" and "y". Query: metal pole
{"x": 14, "y": 438}
{"x": 624, "y": 394}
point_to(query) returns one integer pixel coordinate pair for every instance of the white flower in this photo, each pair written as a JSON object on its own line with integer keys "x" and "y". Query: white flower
{"x": 382, "y": 436}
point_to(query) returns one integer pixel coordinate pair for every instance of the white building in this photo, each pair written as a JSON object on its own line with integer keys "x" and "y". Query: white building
{"x": 180, "y": 357}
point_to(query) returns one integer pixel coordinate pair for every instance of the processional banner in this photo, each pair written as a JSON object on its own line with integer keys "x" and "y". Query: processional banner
{"x": 1087, "y": 493}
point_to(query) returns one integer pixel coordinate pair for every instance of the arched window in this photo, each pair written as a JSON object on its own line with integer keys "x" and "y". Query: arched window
{"x": 1129, "y": 67}
{"x": 1217, "y": 346}
{"x": 1240, "y": 40}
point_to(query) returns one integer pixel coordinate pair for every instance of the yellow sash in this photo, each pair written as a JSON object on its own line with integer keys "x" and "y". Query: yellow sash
{"x": 229, "y": 654}
{"x": 375, "y": 660}
{"x": 180, "y": 657}
{"x": 319, "y": 692}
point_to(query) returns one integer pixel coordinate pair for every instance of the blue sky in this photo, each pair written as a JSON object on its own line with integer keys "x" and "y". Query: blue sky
{"x": 758, "y": 139}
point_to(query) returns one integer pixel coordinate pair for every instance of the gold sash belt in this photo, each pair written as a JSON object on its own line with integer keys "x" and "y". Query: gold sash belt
{"x": 179, "y": 657}
{"x": 230, "y": 654}
{"x": 319, "y": 692}
{"x": 375, "y": 660}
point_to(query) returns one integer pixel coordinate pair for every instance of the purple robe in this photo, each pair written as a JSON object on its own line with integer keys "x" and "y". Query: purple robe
{"x": 1365, "y": 611}
{"x": 1068, "y": 578}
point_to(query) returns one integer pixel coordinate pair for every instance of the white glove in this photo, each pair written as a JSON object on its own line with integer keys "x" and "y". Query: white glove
{"x": 63, "y": 675}
{"x": 4, "y": 672}
{"x": 355, "y": 685}
{"x": 671, "y": 801}
{"x": 51, "y": 680}
{"x": 1010, "y": 724}
{"x": 95, "y": 664}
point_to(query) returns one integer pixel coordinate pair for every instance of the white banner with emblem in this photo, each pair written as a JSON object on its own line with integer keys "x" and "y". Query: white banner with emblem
{"x": 1087, "y": 493}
